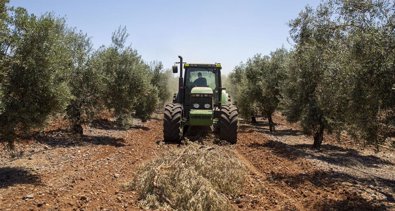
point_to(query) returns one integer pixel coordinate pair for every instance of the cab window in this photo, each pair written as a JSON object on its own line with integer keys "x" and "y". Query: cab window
{"x": 201, "y": 77}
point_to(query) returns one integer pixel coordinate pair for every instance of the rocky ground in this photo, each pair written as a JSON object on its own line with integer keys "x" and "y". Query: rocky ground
{"x": 54, "y": 170}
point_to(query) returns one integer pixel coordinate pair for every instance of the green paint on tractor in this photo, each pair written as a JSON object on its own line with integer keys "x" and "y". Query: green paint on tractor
{"x": 198, "y": 117}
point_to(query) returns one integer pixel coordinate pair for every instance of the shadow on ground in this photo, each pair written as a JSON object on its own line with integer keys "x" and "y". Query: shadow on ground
{"x": 330, "y": 178}
{"x": 199, "y": 135}
{"x": 351, "y": 203}
{"x": 105, "y": 124}
{"x": 325, "y": 179}
{"x": 63, "y": 138}
{"x": 10, "y": 176}
{"x": 329, "y": 153}
{"x": 263, "y": 127}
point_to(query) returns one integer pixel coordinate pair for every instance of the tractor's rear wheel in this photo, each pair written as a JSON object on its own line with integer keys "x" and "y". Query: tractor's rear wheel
{"x": 228, "y": 123}
{"x": 172, "y": 131}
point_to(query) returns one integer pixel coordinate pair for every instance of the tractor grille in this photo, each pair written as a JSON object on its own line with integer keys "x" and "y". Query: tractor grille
{"x": 201, "y": 101}
{"x": 201, "y": 117}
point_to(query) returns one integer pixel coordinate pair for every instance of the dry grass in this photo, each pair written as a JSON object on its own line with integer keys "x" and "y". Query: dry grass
{"x": 194, "y": 177}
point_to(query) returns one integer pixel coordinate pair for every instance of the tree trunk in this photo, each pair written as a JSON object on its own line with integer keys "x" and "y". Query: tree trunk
{"x": 9, "y": 136}
{"x": 253, "y": 120}
{"x": 271, "y": 123}
{"x": 318, "y": 137}
{"x": 74, "y": 113}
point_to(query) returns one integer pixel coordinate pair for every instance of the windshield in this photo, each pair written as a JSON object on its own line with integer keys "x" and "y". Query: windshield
{"x": 201, "y": 77}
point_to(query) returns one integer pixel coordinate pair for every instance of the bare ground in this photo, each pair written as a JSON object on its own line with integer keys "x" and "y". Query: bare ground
{"x": 57, "y": 171}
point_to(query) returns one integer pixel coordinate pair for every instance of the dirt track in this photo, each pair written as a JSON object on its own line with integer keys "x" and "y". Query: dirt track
{"x": 284, "y": 174}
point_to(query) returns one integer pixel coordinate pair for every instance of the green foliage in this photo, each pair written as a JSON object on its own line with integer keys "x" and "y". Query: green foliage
{"x": 160, "y": 81}
{"x": 372, "y": 51}
{"x": 46, "y": 66}
{"x": 271, "y": 76}
{"x": 243, "y": 90}
{"x": 339, "y": 76}
{"x": 127, "y": 79}
{"x": 258, "y": 84}
{"x": 172, "y": 83}
{"x": 85, "y": 81}
{"x": 147, "y": 104}
{"x": 4, "y": 44}
{"x": 34, "y": 63}
{"x": 238, "y": 90}
{"x": 341, "y": 70}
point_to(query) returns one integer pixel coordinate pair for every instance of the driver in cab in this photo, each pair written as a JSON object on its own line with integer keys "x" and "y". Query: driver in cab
{"x": 200, "y": 81}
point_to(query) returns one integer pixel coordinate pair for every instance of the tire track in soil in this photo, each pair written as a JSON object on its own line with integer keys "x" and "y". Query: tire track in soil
{"x": 262, "y": 179}
{"x": 255, "y": 148}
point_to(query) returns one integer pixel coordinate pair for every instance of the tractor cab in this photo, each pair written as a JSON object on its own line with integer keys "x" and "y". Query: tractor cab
{"x": 202, "y": 92}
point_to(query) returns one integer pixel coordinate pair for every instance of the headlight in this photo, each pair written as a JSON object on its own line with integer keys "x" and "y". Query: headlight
{"x": 207, "y": 105}
{"x": 195, "y": 105}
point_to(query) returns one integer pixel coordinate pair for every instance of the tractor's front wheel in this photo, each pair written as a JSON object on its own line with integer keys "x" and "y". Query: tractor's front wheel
{"x": 172, "y": 131}
{"x": 228, "y": 123}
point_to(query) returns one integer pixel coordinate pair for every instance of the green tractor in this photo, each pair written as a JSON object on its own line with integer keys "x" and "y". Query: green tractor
{"x": 200, "y": 101}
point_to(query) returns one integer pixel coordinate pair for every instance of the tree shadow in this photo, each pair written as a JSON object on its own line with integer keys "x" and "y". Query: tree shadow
{"x": 347, "y": 157}
{"x": 280, "y": 149}
{"x": 105, "y": 124}
{"x": 351, "y": 203}
{"x": 286, "y": 132}
{"x": 250, "y": 128}
{"x": 10, "y": 176}
{"x": 104, "y": 140}
{"x": 198, "y": 134}
{"x": 63, "y": 138}
{"x": 329, "y": 153}
{"x": 261, "y": 124}
{"x": 264, "y": 128}
{"x": 322, "y": 179}
{"x": 246, "y": 129}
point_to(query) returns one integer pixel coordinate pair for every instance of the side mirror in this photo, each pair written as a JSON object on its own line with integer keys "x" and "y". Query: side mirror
{"x": 175, "y": 69}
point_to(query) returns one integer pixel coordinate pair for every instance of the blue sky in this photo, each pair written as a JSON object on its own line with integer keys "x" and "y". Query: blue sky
{"x": 225, "y": 31}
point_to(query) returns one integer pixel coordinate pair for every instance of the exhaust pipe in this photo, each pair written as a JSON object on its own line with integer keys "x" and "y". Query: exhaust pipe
{"x": 180, "y": 66}
{"x": 181, "y": 82}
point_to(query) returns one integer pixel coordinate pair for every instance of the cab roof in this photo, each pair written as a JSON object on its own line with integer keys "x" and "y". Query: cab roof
{"x": 216, "y": 65}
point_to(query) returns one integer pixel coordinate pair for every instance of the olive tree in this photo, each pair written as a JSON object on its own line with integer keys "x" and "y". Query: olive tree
{"x": 341, "y": 70}
{"x": 4, "y": 43}
{"x": 371, "y": 49}
{"x": 85, "y": 81}
{"x": 127, "y": 79}
{"x": 271, "y": 76}
{"x": 160, "y": 80}
{"x": 239, "y": 91}
{"x": 314, "y": 90}
{"x": 33, "y": 83}
{"x": 258, "y": 84}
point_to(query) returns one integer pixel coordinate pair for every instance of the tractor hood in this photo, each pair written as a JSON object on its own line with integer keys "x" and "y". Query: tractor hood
{"x": 201, "y": 90}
